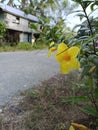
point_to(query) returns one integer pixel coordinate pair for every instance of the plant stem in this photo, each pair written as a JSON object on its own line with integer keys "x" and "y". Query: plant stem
{"x": 90, "y": 27}
{"x": 93, "y": 101}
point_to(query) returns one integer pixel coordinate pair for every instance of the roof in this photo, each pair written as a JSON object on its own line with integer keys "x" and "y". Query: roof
{"x": 18, "y": 12}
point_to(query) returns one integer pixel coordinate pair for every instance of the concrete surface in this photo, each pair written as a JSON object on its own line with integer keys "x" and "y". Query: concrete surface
{"x": 22, "y": 70}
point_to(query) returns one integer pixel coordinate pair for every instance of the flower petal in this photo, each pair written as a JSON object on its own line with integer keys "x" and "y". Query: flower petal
{"x": 62, "y": 47}
{"x": 61, "y": 52}
{"x": 51, "y": 50}
{"x": 75, "y": 64}
{"x": 65, "y": 67}
{"x": 73, "y": 51}
{"x": 59, "y": 57}
{"x": 51, "y": 44}
{"x": 49, "y": 53}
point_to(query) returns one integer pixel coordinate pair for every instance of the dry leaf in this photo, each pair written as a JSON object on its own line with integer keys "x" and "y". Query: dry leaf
{"x": 79, "y": 126}
{"x": 92, "y": 69}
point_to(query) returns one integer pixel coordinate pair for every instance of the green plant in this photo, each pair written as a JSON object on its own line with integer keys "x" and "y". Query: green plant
{"x": 88, "y": 59}
{"x": 86, "y": 40}
{"x": 33, "y": 94}
{"x": 2, "y": 29}
{"x": 24, "y": 46}
{"x": 2, "y": 32}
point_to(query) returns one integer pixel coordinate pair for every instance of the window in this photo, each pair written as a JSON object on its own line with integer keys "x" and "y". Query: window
{"x": 16, "y": 20}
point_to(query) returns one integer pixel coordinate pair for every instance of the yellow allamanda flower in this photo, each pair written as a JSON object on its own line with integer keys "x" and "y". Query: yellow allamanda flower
{"x": 67, "y": 58}
{"x": 52, "y": 48}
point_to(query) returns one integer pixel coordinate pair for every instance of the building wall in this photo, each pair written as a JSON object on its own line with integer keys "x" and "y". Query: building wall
{"x": 17, "y": 23}
{"x": 25, "y": 37}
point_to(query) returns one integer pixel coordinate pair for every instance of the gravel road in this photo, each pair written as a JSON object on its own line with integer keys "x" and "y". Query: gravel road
{"x": 22, "y": 70}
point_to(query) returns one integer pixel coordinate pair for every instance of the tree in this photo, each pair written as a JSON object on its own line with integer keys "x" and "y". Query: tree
{"x": 52, "y": 15}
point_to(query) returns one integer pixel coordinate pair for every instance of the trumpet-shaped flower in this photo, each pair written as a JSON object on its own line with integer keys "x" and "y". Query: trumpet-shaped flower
{"x": 67, "y": 57}
{"x": 52, "y": 48}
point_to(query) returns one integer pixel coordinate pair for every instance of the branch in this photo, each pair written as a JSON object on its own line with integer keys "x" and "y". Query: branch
{"x": 90, "y": 27}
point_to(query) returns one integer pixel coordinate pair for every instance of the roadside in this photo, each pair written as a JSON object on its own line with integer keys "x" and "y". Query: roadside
{"x": 22, "y": 70}
{"x": 41, "y": 108}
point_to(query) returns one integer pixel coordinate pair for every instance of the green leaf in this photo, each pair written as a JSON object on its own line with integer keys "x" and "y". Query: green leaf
{"x": 92, "y": 5}
{"x": 85, "y": 70}
{"x": 76, "y": 26}
{"x": 33, "y": 26}
{"x": 78, "y": 1}
{"x": 86, "y": 3}
{"x": 90, "y": 110}
{"x": 81, "y": 15}
{"x": 96, "y": 93}
{"x": 75, "y": 99}
{"x": 90, "y": 83}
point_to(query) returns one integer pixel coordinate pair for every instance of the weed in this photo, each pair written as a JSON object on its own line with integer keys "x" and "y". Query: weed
{"x": 41, "y": 106}
{"x": 24, "y": 46}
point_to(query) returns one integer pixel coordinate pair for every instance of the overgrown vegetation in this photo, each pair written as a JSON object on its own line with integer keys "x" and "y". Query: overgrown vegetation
{"x": 88, "y": 57}
{"x": 42, "y": 107}
{"x": 24, "y": 46}
{"x": 2, "y": 32}
{"x": 2, "y": 29}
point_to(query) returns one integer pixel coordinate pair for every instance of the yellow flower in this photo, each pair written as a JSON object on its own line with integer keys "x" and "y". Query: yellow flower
{"x": 67, "y": 58}
{"x": 52, "y": 48}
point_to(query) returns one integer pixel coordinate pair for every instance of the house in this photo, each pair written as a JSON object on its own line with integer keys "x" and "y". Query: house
{"x": 17, "y": 23}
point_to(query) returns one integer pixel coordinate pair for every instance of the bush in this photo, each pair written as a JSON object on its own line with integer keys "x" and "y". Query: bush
{"x": 24, "y": 46}
{"x": 2, "y": 29}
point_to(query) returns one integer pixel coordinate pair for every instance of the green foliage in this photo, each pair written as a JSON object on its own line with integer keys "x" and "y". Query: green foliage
{"x": 93, "y": 4}
{"x": 90, "y": 110}
{"x": 57, "y": 33}
{"x": 33, "y": 94}
{"x": 86, "y": 39}
{"x": 45, "y": 11}
{"x": 24, "y": 46}
{"x": 34, "y": 26}
{"x": 2, "y": 29}
{"x": 75, "y": 99}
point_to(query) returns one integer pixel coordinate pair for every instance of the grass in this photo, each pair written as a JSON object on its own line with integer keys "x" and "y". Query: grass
{"x": 41, "y": 108}
{"x": 25, "y": 46}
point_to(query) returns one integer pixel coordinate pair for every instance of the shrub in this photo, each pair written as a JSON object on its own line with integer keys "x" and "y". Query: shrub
{"x": 24, "y": 46}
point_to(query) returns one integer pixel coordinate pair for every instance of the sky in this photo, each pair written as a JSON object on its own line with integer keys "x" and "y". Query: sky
{"x": 75, "y": 20}
{"x": 71, "y": 19}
